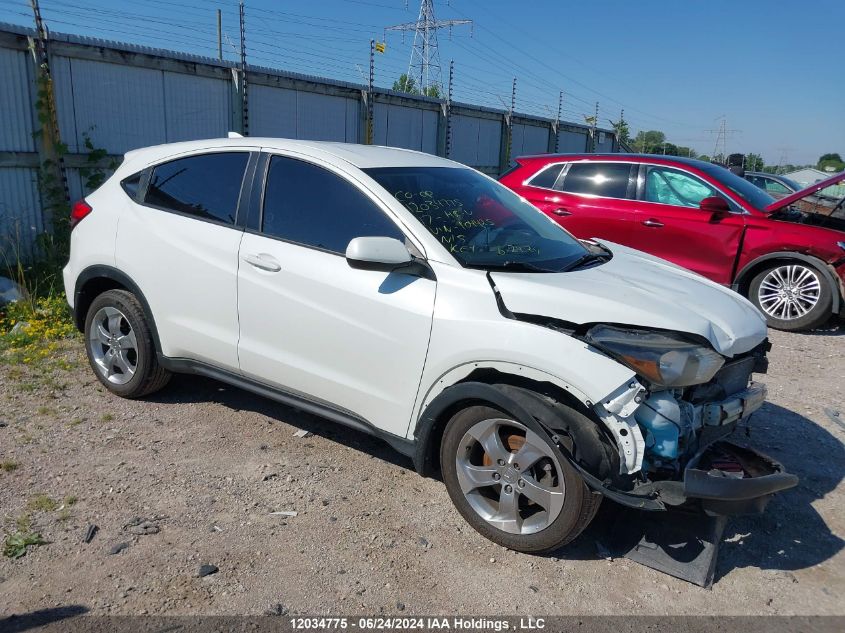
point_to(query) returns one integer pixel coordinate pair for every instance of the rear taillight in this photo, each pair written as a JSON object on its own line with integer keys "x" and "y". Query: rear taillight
{"x": 79, "y": 210}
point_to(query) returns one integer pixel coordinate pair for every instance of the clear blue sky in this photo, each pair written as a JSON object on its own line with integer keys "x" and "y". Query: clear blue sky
{"x": 772, "y": 68}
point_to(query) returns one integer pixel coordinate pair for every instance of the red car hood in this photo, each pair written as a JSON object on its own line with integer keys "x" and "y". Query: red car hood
{"x": 803, "y": 193}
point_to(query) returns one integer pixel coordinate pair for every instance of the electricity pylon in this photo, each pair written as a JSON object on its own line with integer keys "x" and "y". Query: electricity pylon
{"x": 424, "y": 66}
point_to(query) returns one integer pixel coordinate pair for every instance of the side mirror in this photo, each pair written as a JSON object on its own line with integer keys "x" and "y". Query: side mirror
{"x": 377, "y": 253}
{"x": 716, "y": 205}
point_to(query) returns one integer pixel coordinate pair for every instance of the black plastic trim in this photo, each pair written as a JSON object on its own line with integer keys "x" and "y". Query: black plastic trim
{"x": 700, "y": 484}
{"x": 108, "y": 272}
{"x": 465, "y": 394}
{"x": 288, "y": 397}
{"x": 816, "y": 263}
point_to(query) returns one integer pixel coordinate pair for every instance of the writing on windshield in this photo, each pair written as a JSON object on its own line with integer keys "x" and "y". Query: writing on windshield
{"x": 478, "y": 221}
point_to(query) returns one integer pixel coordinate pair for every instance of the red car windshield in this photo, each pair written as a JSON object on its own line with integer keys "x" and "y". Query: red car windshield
{"x": 752, "y": 194}
{"x": 480, "y": 222}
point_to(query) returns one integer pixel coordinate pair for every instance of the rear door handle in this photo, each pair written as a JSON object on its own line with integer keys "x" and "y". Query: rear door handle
{"x": 562, "y": 212}
{"x": 264, "y": 262}
{"x": 653, "y": 223}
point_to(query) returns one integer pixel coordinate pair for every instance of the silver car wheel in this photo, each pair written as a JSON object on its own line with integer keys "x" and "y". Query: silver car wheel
{"x": 510, "y": 476}
{"x": 789, "y": 292}
{"x": 113, "y": 346}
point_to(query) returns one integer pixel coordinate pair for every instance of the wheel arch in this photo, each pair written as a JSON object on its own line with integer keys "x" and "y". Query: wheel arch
{"x": 750, "y": 270}
{"x": 529, "y": 400}
{"x": 94, "y": 281}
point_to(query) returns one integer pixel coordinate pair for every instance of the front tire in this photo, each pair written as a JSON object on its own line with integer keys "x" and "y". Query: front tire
{"x": 120, "y": 346}
{"x": 509, "y": 485}
{"x": 792, "y": 295}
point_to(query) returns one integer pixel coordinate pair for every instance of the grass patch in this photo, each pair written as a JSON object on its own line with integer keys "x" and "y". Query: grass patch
{"x": 26, "y": 325}
{"x": 76, "y": 422}
{"x": 107, "y": 417}
{"x": 64, "y": 515}
{"x": 42, "y": 503}
{"x": 8, "y": 466}
{"x": 69, "y": 501}
{"x": 18, "y": 544}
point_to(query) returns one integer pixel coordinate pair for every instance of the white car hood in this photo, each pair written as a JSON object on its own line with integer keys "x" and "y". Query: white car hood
{"x": 634, "y": 288}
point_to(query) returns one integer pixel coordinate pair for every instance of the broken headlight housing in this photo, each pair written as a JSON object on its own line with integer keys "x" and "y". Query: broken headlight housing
{"x": 662, "y": 358}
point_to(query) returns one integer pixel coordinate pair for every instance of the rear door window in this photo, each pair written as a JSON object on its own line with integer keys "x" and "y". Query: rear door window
{"x": 204, "y": 186}
{"x": 607, "y": 180}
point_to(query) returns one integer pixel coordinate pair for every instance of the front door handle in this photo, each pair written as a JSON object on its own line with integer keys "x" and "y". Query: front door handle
{"x": 562, "y": 212}
{"x": 264, "y": 262}
{"x": 653, "y": 223}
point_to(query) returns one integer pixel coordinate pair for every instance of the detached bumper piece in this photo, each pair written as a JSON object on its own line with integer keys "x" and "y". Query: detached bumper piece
{"x": 682, "y": 544}
{"x": 729, "y": 480}
{"x": 724, "y": 480}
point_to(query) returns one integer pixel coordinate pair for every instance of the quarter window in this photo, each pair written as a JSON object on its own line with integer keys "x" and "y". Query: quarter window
{"x": 670, "y": 186}
{"x": 547, "y": 177}
{"x": 312, "y": 206}
{"x": 205, "y": 186}
{"x": 608, "y": 180}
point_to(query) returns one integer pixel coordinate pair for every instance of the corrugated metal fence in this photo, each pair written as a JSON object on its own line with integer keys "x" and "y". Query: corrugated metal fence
{"x": 124, "y": 97}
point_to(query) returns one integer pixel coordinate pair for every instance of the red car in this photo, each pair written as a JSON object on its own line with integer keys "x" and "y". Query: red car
{"x": 787, "y": 256}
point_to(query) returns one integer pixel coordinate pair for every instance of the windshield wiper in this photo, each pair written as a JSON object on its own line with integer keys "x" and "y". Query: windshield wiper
{"x": 586, "y": 259}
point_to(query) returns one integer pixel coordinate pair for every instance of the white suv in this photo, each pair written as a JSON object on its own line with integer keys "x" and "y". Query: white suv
{"x": 416, "y": 299}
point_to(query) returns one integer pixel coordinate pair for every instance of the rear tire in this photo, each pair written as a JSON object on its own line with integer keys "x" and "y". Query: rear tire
{"x": 534, "y": 507}
{"x": 120, "y": 346}
{"x": 792, "y": 295}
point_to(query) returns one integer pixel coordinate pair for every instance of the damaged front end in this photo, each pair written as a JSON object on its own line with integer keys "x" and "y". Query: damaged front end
{"x": 671, "y": 426}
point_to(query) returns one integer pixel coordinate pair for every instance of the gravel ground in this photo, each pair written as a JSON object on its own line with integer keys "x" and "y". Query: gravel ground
{"x": 203, "y": 466}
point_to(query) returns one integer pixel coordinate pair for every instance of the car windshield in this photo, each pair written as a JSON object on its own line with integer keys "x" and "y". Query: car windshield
{"x": 752, "y": 194}
{"x": 480, "y": 222}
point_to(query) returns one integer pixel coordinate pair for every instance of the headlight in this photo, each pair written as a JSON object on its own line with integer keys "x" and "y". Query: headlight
{"x": 663, "y": 359}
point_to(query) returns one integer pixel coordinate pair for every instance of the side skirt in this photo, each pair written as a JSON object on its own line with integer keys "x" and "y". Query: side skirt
{"x": 296, "y": 400}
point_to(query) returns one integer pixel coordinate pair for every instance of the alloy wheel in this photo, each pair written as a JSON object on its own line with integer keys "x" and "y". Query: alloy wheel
{"x": 510, "y": 476}
{"x": 789, "y": 292}
{"x": 113, "y": 346}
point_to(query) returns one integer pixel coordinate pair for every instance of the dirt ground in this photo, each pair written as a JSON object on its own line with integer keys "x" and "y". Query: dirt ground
{"x": 205, "y": 465}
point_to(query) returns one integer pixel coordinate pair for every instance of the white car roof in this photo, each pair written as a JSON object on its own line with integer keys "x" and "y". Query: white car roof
{"x": 361, "y": 156}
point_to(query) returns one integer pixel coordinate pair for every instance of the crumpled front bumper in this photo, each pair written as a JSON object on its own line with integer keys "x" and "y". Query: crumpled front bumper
{"x": 729, "y": 479}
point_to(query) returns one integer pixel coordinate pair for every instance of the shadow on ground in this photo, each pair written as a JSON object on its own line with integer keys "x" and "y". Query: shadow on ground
{"x": 789, "y": 536}
{"x": 39, "y": 619}
{"x": 185, "y": 388}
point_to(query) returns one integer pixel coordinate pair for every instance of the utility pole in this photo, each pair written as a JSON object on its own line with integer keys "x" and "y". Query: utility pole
{"x": 244, "y": 97}
{"x": 424, "y": 65}
{"x": 370, "y": 81}
{"x": 52, "y": 161}
{"x": 449, "y": 108}
{"x": 556, "y": 127}
{"x": 220, "y": 35}
{"x": 593, "y": 130}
